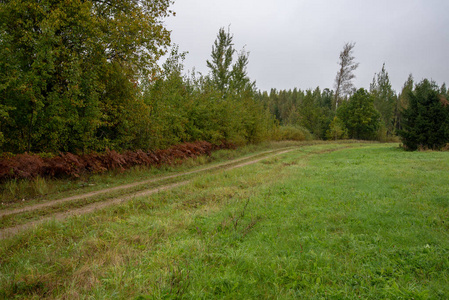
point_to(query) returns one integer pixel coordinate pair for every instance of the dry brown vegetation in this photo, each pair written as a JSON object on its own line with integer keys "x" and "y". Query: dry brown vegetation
{"x": 72, "y": 165}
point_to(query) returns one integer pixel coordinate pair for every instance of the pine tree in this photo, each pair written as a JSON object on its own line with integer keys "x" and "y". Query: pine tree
{"x": 220, "y": 65}
{"x": 384, "y": 98}
{"x": 426, "y": 120}
{"x": 228, "y": 78}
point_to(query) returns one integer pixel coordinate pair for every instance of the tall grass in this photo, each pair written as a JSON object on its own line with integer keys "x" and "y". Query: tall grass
{"x": 368, "y": 221}
{"x": 17, "y": 189}
{"x": 12, "y": 192}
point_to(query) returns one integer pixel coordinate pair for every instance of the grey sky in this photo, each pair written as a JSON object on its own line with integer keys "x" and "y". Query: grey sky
{"x": 296, "y": 43}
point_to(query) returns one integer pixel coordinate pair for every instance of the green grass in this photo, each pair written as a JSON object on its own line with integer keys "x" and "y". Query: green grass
{"x": 141, "y": 175}
{"x": 17, "y": 193}
{"x": 367, "y": 221}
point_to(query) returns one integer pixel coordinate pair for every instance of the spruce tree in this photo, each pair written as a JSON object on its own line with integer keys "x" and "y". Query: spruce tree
{"x": 220, "y": 66}
{"x": 384, "y": 98}
{"x": 426, "y": 120}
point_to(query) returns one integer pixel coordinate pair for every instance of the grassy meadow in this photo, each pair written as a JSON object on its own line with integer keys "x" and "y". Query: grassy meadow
{"x": 324, "y": 221}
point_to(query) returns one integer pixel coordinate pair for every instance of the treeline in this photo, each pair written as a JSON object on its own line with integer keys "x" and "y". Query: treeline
{"x": 418, "y": 115}
{"x": 82, "y": 76}
{"x": 378, "y": 114}
{"x": 357, "y": 114}
{"x": 218, "y": 107}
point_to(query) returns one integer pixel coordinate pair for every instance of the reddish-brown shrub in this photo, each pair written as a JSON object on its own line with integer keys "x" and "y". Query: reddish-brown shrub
{"x": 113, "y": 160}
{"x": 21, "y": 166}
{"x": 93, "y": 163}
{"x": 68, "y": 164}
{"x": 65, "y": 164}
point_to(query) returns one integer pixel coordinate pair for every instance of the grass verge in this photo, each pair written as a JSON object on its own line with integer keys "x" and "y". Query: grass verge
{"x": 18, "y": 193}
{"x": 31, "y": 213}
{"x": 369, "y": 221}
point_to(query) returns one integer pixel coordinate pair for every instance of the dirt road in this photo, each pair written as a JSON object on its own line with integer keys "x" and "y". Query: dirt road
{"x": 108, "y": 201}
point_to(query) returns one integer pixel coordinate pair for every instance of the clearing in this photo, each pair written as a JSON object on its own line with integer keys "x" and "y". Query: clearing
{"x": 355, "y": 220}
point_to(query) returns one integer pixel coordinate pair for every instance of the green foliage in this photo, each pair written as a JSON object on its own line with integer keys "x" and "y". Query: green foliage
{"x": 82, "y": 76}
{"x": 169, "y": 107}
{"x": 68, "y": 69}
{"x": 283, "y": 104}
{"x": 376, "y": 230}
{"x": 337, "y": 130}
{"x": 402, "y": 103}
{"x": 241, "y": 118}
{"x": 384, "y": 99}
{"x": 309, "y": 112}
{"x": 220, "y": 66}
{"x": 229, "y": 79}
{"x": 4, "y": 118}
{"x": 359, "y": 115}
{"x": 310, "y": 109}
{"x": 293, "y": 133}
{"x": 426, "y": 120}
{"x": 195, "y": 108}
{"x": 240, "y": 83}
{"x": 316, "y": 112}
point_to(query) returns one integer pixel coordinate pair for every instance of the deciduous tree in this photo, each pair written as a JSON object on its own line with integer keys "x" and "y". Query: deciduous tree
{"x": 221, "y": 63}
{"x": 359, "y": 115}
{"x": 337, "y": 130}
{"x": 343, "y": 80}
{"x": 69, "y": 69}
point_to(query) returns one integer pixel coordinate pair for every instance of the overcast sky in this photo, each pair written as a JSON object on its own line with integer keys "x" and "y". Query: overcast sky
{"x": 296, "y": 43}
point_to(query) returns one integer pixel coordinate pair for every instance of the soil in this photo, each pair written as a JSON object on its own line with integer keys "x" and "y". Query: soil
{"x": 229, "y": 165}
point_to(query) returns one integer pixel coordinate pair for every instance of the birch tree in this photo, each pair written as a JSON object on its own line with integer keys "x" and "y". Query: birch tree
{"x": 343, "y": 81}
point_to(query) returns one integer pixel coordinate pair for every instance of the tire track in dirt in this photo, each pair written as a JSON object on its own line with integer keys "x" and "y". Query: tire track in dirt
{"x": 11, "y": 231}
{"x": 46, "y": 204}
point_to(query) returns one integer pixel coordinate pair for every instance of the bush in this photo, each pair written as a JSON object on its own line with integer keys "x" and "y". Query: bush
{"x": 337, "y": 130}
{"x": 26, "y": 166}
{"x": 293, "y": 133}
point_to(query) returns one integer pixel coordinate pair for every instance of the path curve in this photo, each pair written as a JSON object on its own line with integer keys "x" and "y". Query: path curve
{"x": 11, "y": 231}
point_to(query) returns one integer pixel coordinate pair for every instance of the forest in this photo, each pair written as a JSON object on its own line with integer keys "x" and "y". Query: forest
{"x": 84, "y": 77}
{"x": 125, "y": 176}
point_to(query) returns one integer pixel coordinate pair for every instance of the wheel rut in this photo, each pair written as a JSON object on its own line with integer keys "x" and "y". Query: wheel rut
{"x": 109, "y": 201}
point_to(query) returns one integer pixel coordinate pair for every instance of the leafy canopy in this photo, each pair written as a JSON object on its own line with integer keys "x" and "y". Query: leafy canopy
{"x": 67, "y": 69}
{"x": 359, "y": 115}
